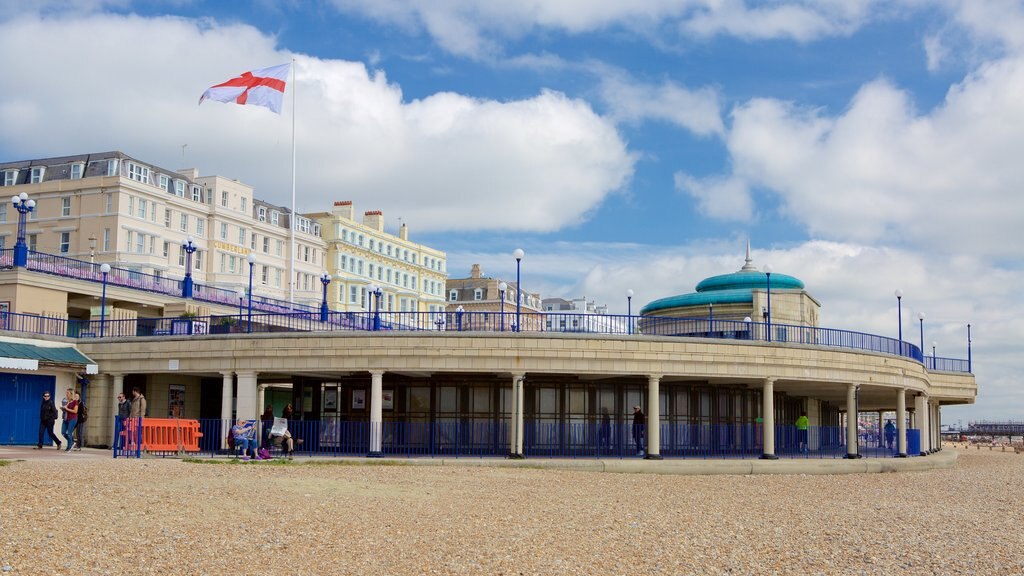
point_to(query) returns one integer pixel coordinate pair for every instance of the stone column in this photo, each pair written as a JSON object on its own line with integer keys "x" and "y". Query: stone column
{"x": 653, "y": 451}
{"x": 376, "y": 413}
{"x": 516, "y": 423}
{"x": 768, "y": 416}
{"x": 851, "y": 422}
{"x": 936, "y": 427}
{"x": 901, "y": 423}
{"x": 920, "y": 407}
{"x": 247, "y": 396}
{"x": 226, "y": 413}
{"x": 262, "y": 388}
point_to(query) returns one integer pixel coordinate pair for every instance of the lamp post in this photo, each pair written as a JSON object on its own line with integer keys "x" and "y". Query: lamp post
{"x": 501, "y": 292}
{"x": 186, "y": 285}
{"x": 933, "y": 355}
{"x": 375, "y": 299}
{"x": 325, "y": 279}
{"x": 92, "y": 251}
{"x": 747, "y": 321}
{"x": 968, "y": 347}
{"x": 711, "y": 318}
{"x": 458, "y": 317}
{"x": 252, "y": 264}
{"x": 899, "y": 312}
{"x": 241, "y": 296}
{"x": 24, "y": 205}
{"x": 768, "y": 317}
{"x": 629, "y": 311}
{"x": 518, "y": 255}
{"x": 920, "y": 317}
{"x": 105, "y": 268}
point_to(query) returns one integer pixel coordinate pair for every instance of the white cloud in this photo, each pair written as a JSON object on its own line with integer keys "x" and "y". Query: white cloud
{"x": 724, "y": 198}
{"x": 935, "y": 52}
{"x": 631, "y": 101}
{"x": 799, "y": 21}
{"x": 442, "y": 162}
{"x": 944, "y": 180}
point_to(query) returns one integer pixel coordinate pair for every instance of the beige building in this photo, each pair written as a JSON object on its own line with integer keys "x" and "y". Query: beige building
{"x": 481, "y": 297}
{"x": 362, "y": 256}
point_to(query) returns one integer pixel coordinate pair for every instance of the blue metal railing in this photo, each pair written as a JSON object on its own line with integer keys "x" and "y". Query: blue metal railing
{"x": 466, "y": 437}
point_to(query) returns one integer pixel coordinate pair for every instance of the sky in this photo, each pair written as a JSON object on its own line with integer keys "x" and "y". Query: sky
{"x": 862, "y": 146}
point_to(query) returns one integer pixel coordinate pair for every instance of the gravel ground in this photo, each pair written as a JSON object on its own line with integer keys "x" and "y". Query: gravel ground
{"x": 173, "y": 517}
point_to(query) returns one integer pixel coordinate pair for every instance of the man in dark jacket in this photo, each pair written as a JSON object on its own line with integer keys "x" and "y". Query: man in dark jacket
{"x": 639, "y": 421}
{"x": 47, "y": 416}
{"x": 124, "y": 410}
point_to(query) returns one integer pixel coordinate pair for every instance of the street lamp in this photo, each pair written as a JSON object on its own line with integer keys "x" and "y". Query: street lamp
{"x": 899, "y": 312}
{"x": 24, "y": 205}
{"x": 711, "y": 318}
{"x": 518, "y": 255}
{"x": 252, "y": 264}
{"x": 105, "y": 268}
{"x": 920, "y": 317}
{"x": 501, "y": 291}
{"x": 241, "y": 296}
{"x": 768, "y": 317}
{"x": 325, "y": 279}
{"x": 92, "y": 250}
{"x": 746, "y": 321}
{"x": 968, "y": 347}
{"x": 629, "y": 311}
{"x": 186, "y": 286}
{"x": 375, "y": 292}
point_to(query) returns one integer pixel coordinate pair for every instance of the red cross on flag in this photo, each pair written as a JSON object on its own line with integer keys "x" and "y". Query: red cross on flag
{"x": 263, "y": 87}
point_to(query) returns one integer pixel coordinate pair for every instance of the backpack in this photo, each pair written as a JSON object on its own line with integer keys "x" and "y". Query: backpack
{"x": 83, "y": 412}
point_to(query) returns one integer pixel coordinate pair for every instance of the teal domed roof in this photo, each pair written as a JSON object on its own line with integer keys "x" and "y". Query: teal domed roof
{"x": 735, "y": 288}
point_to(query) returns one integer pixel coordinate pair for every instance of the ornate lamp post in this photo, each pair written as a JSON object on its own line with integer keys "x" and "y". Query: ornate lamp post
{"x": 325, "y": 279}
{"x": 186, "y": 286}
{"x": 768, "y": 318}
{"x": 24, "y": 205}
{"x": 629, "y": 311}
{"x": 747, "y": 321}
{"x": 501, "y": 291}
{"x": 105, "y": 269}
{"x": 899, "y": 313}
{"x": 375, "y": 299}
{"x": 252, "y": 264}
{"x": 518, "y": 255}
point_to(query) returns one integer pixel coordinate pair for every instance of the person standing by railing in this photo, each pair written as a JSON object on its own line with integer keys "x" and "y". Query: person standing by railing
{"x": 124, "y": 410}
{"x": 135, "y": 415}
{"x": 639, "y": 421}
{"x": 801, "y": 432}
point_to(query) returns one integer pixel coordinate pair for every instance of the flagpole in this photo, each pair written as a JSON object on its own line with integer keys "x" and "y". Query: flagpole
{"x": 292, "y": 220}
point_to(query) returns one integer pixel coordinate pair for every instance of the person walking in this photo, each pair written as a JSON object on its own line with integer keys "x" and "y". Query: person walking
{"x": 801, "y": 432}
{"x": 124, "y": 411}
{"x": 83, "y": 415}
{"x": 890, "y": 434}
{"x": 68, "y": 396}
{"x": 638, "y": 429}
{"x": 47, "y": 418}
{"x": 71, "y": 417}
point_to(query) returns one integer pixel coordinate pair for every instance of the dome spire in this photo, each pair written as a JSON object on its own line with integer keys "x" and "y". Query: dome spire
{"x": 748, "y": 265}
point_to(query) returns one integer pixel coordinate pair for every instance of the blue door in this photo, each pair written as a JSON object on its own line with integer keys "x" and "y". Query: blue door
{"x": 20, "y": 396}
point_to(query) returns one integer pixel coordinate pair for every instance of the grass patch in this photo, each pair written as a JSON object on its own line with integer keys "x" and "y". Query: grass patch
{"x": 366, "y": 462}
{"x": 238, "y": 461}
{"x": 6, "y": 462}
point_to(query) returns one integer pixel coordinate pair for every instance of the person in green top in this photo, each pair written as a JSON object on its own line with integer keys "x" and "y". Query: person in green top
{"x": 801, "y": 431}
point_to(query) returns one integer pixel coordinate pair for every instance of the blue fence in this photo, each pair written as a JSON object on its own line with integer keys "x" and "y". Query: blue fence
{"x": 469, "y": 438}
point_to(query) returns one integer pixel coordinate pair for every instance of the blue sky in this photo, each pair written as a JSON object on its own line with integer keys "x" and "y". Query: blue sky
{"x": 861, "y": 145}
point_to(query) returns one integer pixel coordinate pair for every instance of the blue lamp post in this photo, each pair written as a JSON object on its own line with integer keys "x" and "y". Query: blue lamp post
{"x": 934, "y": 359}
{"x": 768, "y": 318}
{"x": 186, "y": 285}
{"x": 899, "y": 313}
{"x": 24, "y": 205}
{"x": 518, "y": 255}
{"x": 501, "y": 292}
{"x": 375, "y": 299}
{"x": 711, "y": 318}
{"x": 968, "y": 347}
{"x": 105, "y": 269}
{"x": 252, "y": 264}
{"x": 629, "y": 311}
{"x": 325, "y": 279}
{"x": 920, "y": 317}
{"x": 241, "y": 297}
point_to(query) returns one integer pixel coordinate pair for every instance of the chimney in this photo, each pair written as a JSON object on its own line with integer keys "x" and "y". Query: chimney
{"x": 190, "y": 173}
{"x": 374, "y": 219}
{"x": 403, "y": 232}
{"x": 475, "y": 272}
{"x": 343, "y": 209}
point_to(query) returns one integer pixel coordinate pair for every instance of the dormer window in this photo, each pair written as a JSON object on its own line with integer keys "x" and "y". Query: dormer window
{"x": 275, "y": 217}
{"x": 138, "y": 172}
{"x": 179, "y": 188}
{"x": 261, "y": 213}
{"x": 77, "y": 169}
{"x": 165, "y": 183}
{"x": 10, "y": 177}
{"x": 453, "y": 295}
{"x": 37, "y": 174}
{"x": 112, "y": 167}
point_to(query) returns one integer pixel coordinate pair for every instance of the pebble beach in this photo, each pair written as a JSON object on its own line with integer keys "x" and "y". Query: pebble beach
{"x": 105, "y": 516}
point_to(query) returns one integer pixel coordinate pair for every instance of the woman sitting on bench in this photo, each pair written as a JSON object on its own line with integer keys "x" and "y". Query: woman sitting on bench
{"x": 280, "y": 436}
{"x": 244, "y": 434}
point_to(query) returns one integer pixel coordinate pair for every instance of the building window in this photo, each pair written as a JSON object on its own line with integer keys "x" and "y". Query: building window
{"x": 232, "y": 262}
{"x": 110, "y": 203}
{"x": 37, "y": 174}
{"x": 224, "y": 198}
{"x": 197, "y": 260}
{"x": 453, "y": 295}
{"x": 478, "y": 294}
{"x": 261, "y": 213}
{"x": 223, "y": 231}
{"x": 65, "y": 206}
{"x": 3, "y": 211}
{"x": 200, "y": 227}
{"x": 252, "y": 241}
{"x": 33, "y": 241}
{"x": 279, "y": 250}
{"x": 10, "y": 177}
{"x": 241, "y": 236}
{"x": 138, "y": 172}
{"x": 184, "y": 223}
{"x": 65, "y": 242}
{"x": 197, "y": 193}
{"x": 179, "y": 188}
{"x": 243, "y": 204}
{"x": 167, "y": 248}
{"x": 164, "y": 183}
{"x": 275, "y": 217}
{"x": 128, "y": 243}
{"x": 353, "y": 294}
{"x": 167, "y": 218}
{"x": 277, "y": 277}
{"x": 142, "y": 208}
{"x": 76, "y": 170}
{"x": 264, "y": 274}
{"x": 140, "y": 243}
{"x": 131, "y": 205}
{"x": 106, "y": 239}
{"x": 266, "y": 245}
{"x": 112, "y": 167}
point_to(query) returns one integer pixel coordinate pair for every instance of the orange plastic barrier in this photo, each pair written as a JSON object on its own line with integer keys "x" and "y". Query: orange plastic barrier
{"x": 170, "y": 435}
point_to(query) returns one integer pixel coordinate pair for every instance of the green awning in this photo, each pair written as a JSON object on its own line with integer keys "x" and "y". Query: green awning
{"x": 28, "y": 356}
